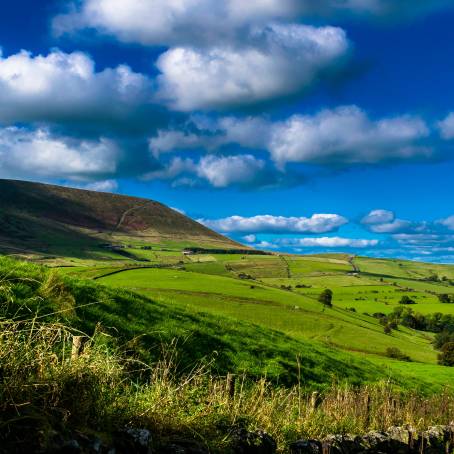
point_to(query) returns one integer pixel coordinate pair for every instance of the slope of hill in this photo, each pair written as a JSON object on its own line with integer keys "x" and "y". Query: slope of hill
{"x": 39, "y": 218}
{"x": 161, "y": 366}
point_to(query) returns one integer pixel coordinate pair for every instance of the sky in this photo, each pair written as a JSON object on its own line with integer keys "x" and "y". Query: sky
{"x": 304, "y": 126}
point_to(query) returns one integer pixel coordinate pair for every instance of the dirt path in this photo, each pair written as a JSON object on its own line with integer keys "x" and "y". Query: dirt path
{"x": 128, "y": 211}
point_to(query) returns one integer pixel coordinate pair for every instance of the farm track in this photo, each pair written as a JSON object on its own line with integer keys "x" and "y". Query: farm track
{"x": 149, "y": 267}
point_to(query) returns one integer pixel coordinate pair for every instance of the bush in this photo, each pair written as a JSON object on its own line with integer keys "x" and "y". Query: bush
{"x": 396, "y": 353}
{"x": 443, "y": 338}
{"x": 446, "y": 357}
{"x": 445, "y": 298}
{"x": 406, "y": 300}
{"x": 326, "y": 297}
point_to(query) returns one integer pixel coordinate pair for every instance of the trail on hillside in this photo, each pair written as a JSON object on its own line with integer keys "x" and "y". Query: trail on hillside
{"x": 126, "y": 213}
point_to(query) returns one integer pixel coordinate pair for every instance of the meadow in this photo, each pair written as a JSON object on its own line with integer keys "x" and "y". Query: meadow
{"x": 159, "y": 346}
{"x": 165, "y": 330}
{"x": 280, "y": 292}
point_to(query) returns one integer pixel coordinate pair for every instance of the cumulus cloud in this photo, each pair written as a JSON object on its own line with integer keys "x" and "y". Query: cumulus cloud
{"x": 103, "y": 186}
{"x": 330, "y": 242}
{"x": 66, "y": 88}
{"x": 384, "y": 221}
{"x": 446, "y": 127}
{"x": 281, "y": 60}
{"x": 172, "y": 22}
{"x": 223, "y": 171}
{"x": 347, "y": 136}
{"x": 209, "y": 134}
{"x": 37, "y": 153}
{"x": 317, "y": 223}
{"x": 378, "y": 217}
{"x": 250, "y": 238}
{"x": 218, "y": 171}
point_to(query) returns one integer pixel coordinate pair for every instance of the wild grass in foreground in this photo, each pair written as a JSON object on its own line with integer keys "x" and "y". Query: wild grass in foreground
{"x": 48, "y": 385}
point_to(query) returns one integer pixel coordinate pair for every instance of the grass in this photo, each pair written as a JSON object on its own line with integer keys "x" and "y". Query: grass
{"x": 160, "y": 343}
{"x": 144, "y": 324}
{"x": 40, "y": 377}
{"x": 298, "y": 316}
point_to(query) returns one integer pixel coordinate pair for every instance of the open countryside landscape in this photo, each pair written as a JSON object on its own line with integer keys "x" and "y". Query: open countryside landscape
{"x": 226, "y": 227}
{"x": 204, "y": 305}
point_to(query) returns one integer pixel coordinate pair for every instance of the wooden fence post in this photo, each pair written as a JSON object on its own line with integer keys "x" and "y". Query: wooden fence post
{"x": 77, "y": 347}
{"x": 230, "y": 385}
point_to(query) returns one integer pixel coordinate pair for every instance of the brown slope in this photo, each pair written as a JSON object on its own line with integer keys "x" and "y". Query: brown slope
{"x": 29, "y": 212}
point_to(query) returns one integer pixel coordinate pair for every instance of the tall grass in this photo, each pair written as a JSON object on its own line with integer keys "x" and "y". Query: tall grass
{"x": 44, "y": 381}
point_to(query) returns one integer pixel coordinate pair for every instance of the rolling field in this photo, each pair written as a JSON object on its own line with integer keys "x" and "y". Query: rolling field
{"x": 280, "y": 293}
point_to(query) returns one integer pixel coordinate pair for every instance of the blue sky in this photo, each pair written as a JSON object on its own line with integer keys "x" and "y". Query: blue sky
{"x": 297, "y": 125}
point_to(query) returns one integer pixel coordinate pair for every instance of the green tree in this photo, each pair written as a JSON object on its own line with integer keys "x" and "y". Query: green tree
{"x": 446, "y": 357}
{"x": 406, "y": 300}
{"x": 326, "y": 297}
{"x": 445, "y": 298}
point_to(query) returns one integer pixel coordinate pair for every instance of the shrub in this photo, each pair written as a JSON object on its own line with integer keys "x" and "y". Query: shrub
{"x": 443, "y": 338}
{"x": 396, "y": 353}
{"x": 446, "y": 357}
{"x": 326, "y": 297}
{"x": 406, "y": 300}
{"x": 445, "y": 298}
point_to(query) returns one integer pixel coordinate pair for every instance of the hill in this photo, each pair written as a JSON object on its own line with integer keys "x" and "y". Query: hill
{"x": 45, "y": 219}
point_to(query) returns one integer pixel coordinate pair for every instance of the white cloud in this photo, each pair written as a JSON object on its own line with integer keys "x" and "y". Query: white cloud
{"x": 378, "y": 217}
{"x": 172, "y": 170}
{"x": 218, "y": 171}
{"x": 448, "y": 222}
{"x": 397, "y": 225}
{"x": 384, "y": 221}
{"x": 203, "y": 133}
{"x": 64, "y": 87}
{"x": 167, "y": 141}
{"x": 25, "y": 153}
{"x": 249, "y": 238}
{"x": 172, "y": 22}
{"x": 446, "y": 127}
{"x": 347, "y": 136}
{"x": 317, "y": 223}
{"x": 330, "y": 242}
{"x": 223, "y": 171}
{"x": 103, "y": 186}
{"x": 283, "y": 60}
{"x": 422, "y": 238}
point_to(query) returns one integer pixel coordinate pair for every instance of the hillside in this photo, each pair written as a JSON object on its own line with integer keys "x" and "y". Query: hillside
{"x": 164, "y": 367}
{"x": 164, "y": 330}
{"x": 44, "y": 219}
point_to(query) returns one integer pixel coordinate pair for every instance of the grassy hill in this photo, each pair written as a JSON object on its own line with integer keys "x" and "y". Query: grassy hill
{"x": 53, "y": 220}
{"x": 161, "y": 364}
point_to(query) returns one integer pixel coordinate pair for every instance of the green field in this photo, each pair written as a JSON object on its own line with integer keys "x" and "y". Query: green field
{"x": 280, "y": 293}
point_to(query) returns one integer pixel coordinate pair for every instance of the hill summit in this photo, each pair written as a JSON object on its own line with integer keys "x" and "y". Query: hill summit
{"x": 42, "y": 218}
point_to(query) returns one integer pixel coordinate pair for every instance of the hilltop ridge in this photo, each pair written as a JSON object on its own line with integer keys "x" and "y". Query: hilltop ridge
{"x": 42, "y": 218}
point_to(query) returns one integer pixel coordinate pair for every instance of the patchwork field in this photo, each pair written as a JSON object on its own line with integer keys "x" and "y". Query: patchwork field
{"x": 281, "y": 293}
